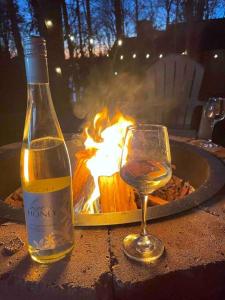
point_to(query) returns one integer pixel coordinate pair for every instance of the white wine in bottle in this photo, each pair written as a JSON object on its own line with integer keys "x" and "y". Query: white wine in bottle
{"x": 45, "y": 165}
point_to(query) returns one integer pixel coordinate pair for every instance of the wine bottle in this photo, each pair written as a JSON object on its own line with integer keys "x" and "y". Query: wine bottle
{"x": 45, "y": 166}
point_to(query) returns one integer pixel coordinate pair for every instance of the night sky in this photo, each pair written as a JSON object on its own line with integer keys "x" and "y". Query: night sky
{"x": 160, "y": 17}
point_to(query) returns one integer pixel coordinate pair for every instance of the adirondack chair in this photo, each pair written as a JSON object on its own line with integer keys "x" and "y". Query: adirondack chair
{"x": 174, "y": 83}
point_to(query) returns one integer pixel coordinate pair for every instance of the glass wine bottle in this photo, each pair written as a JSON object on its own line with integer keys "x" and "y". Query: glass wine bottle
{"x": 45, "y": 165}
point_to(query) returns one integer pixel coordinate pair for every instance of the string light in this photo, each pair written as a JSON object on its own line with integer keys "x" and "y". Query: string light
{"x": 48, "y": 23}
{"x": 184, "y": 53}
{"x": 115, "y": 73}
{"x": 58, "y": 70}
{"x": 147, "y": 55}
{"x": 120, "y": 42}
{"x": 134, "y": 55}
{"x": 121, "y": 57}
{"x": 72, "y": 38}
{"x": 160, "y": 55}
{"x": 91, "y": 41}
{"x": 107, "y": 55}
{"x": 216, "y": 56}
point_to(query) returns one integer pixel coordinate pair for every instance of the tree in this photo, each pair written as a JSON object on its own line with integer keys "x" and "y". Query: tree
{"x": 78, "y": 13}
{"x": 136, "y": 13}
{"x": 14, "y": 21}
{"x": 49, "y": 19}
{"x": 89, "y": 26}
{"x": 67, "y": 29}
{"x": 119, "y": 18}
{"x": 4, "y": 31}
{"x": 197, "y": 10}
{"x": 103, "y": 22}
{"x": 210, "y": 7}
{"x": 178, "y": 11}
{"x": 166, "y": 5}
{"x": 38, "y": 17}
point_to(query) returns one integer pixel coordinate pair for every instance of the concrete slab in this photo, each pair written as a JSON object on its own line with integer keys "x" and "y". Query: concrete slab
{"x": 84, "y": 275}
{"x": 193, "y": 266}
{"x": 215, "y": 206}
{"x": 193, "y": 241}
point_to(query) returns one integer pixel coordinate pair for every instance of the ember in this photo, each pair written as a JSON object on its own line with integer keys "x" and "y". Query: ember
{"x": 176, "y": 188}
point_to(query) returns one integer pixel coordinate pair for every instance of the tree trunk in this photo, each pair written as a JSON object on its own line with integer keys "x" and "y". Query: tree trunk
{"x": 188, "y": 9}
{"x": 207, "y": 10}
{"x": 12, "y": 12}
{"x": 200, "y": 8}
{"x": 51, "y": 10}
{"x": 67, "y": 29}
{"x": 119, "y": 18}
{"x": 39, "y": 18}
{"x": 79, "y": 27}
{"x": 177, "y": 11}
{"x": 89, "y": 26}
{"x": 136, "y": 15}
{"x": 45, "y": 10}
{"x": 6, "y": 44}
{"x": 167, "y": 19}
{"x": 4, "y": 31}
{"x": 168, "y": 8}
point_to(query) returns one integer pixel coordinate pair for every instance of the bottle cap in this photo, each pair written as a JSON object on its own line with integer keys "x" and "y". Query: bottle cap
{"x": 35, "y": 46}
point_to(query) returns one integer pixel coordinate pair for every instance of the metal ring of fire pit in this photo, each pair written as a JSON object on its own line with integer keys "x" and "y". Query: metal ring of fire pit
{"x": 215, "y": 179}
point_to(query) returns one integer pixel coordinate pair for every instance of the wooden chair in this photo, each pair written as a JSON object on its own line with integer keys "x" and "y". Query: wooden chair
{"x": 174, "y": 83}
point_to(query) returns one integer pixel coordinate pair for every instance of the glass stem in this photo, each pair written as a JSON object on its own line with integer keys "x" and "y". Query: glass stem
{"x": 144, "y": 202}
{"x": 144, "y": 243}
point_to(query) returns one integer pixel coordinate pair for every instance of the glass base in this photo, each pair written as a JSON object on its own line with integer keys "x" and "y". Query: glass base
{"x": 149, "y": 252}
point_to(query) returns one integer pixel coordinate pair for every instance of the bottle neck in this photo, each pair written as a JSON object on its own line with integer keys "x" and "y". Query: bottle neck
{"x": 41, "y": 119}
{"x": 36, "y": 69}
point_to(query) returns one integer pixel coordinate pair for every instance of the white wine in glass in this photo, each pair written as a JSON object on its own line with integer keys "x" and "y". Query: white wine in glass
{"x": 214, "y": 111}
{"x": 145, "y": 165}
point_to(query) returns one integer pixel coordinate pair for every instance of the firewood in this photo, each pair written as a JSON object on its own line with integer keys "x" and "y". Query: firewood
{"x": 157, "y": 200}
{"x": 116, "y": 195}
{"x": 81, "y": 176}
{"x": 15, "y": 199}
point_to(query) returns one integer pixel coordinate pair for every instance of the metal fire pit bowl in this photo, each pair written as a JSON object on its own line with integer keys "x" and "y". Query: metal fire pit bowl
{"x": 204, "y": 171}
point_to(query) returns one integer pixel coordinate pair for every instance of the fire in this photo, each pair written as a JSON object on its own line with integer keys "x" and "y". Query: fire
{"x": 97, "y": 185}
{"x": 106, "y": 138}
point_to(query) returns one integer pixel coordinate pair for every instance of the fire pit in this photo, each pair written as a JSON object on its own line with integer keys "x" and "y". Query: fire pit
{"x": 205, "y": 173}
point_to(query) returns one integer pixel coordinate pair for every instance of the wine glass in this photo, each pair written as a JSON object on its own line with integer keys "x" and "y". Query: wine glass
{"x": 145, "y": 165}
{"x": 214, "y": 111}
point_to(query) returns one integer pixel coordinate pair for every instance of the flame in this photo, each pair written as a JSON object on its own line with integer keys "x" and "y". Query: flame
{"x": 106, "y": 137}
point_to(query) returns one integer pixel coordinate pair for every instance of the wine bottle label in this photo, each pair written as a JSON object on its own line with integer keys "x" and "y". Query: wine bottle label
{"x": 48, "y": 218}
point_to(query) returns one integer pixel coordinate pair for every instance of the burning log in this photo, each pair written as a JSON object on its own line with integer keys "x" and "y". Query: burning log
{"x": 99, "y": 164}
{"x": 82, "y": 176}
{"x": 115, "y": 194}
{"x": 155, "y": 200}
